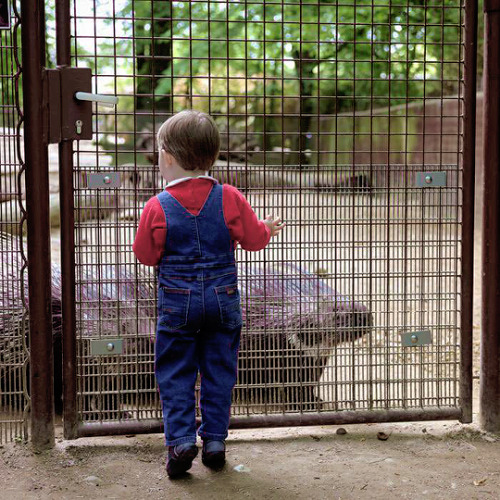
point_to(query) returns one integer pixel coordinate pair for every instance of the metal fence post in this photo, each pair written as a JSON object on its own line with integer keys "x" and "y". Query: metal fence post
{"x": 468, "y": 162}
{"x": 490, "y": 332}
{"x": 63, "y": 37}
{"x": 37, "y": 200}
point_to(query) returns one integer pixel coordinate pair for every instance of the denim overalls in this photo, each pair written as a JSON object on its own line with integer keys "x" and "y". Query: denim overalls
{"x": 199, "y": 320}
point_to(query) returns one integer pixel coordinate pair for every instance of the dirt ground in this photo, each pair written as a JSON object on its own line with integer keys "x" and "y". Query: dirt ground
{"x": 438, "y": 460}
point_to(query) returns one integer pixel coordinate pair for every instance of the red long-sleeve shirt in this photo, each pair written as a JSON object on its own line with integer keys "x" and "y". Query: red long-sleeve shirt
{"x": 242, "y": 222}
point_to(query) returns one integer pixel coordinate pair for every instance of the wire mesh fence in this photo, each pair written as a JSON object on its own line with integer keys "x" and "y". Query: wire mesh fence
{"x": 14, "y": 355}
{"x": 329, "y": 115}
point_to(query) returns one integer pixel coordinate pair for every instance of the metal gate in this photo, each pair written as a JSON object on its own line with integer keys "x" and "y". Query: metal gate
{"x": 348, "y": 121}
{"x": 14, "y": 356}
{"x": 355, "y": 123}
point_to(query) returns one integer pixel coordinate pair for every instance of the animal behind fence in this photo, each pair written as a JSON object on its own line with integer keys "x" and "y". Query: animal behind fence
{"x": 292, "y": 321}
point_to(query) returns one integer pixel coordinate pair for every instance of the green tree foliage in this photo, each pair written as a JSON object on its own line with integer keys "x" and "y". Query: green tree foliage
{"x": 255, "y": 63}
{"x": 263, "y": 58}
{"x": 151, "y": 31}
{"x": 325, "y": 41}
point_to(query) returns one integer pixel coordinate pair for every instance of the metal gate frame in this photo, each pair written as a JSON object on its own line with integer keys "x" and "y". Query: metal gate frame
{"x": 39, "y": 254}
{"x": 37, "y": 202}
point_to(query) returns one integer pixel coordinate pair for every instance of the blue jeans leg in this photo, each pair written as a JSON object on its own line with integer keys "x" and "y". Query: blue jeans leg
{"x": 218, "y": 369}
{"x": 176, "y": 369}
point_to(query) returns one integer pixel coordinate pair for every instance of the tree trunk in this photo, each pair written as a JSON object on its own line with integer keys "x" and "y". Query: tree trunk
{"x": 153, "y": 56}
{"x": 305, "y": 65}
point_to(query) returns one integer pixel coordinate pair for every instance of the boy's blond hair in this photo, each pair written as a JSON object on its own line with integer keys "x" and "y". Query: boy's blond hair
{"x": 192, "y": 138}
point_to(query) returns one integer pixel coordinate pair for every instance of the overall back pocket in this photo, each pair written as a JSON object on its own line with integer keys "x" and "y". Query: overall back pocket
{"x": 228, "y": 297}
{"x": 173, "y": 307}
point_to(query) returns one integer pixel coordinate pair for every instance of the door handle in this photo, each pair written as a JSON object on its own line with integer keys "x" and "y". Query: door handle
{"x": 108, "y": 101}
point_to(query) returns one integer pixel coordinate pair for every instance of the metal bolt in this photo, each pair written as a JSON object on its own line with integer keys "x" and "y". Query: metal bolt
{"x": 106, "y": 179}
{"x": 414, "y": 339}
{"x": 110, "y": 347}
{"x": 428, "y": 179}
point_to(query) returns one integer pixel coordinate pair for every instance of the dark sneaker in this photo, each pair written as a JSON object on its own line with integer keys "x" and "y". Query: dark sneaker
{"x": 213, "y": 454}
{"x": 180, "y": 458}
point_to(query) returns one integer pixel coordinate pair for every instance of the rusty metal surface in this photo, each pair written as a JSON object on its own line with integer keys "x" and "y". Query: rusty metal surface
{"x": 490, "y": 345}
{"x": 66, "y": 187}
{"x": 468, "y": 166}
{"x": 326, "y": 120}
{"x": 287, "y": 420}
{"x": 37, "y": 203}
{"x": 491, "y": 6}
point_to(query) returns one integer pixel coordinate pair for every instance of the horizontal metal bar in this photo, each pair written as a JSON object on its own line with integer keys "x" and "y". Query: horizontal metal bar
{"x": 291, "y": 420}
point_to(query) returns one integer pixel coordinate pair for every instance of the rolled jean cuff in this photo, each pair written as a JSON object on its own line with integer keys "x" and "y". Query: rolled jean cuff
{"x": 212, "y": 437}
{"x": 182, "y": 440}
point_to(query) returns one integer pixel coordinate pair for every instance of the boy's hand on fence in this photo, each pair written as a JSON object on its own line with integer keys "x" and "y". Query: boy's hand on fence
{"x": 275, "y": 224}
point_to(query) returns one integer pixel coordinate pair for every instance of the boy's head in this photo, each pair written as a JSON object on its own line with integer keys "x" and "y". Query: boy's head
{"x": 192, "y": 138}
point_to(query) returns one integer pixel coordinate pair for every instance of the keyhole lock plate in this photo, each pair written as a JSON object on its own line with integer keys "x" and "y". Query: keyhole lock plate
{"x": 67, "y": 118}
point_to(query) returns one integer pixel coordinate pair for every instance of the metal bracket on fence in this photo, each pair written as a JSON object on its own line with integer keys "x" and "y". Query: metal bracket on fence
{"x": 414, "y": 339}
{"x": 491, "y": 5}
{"x": 106, "y": 347}
{"x": 103, "y": 180}
{"x": 430, "y": 179}
{"x": 68, "y": 104}
{"x": 66, "y": 117}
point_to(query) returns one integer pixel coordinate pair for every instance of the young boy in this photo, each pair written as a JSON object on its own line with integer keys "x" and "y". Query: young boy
{"x": 190, "y": 231}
